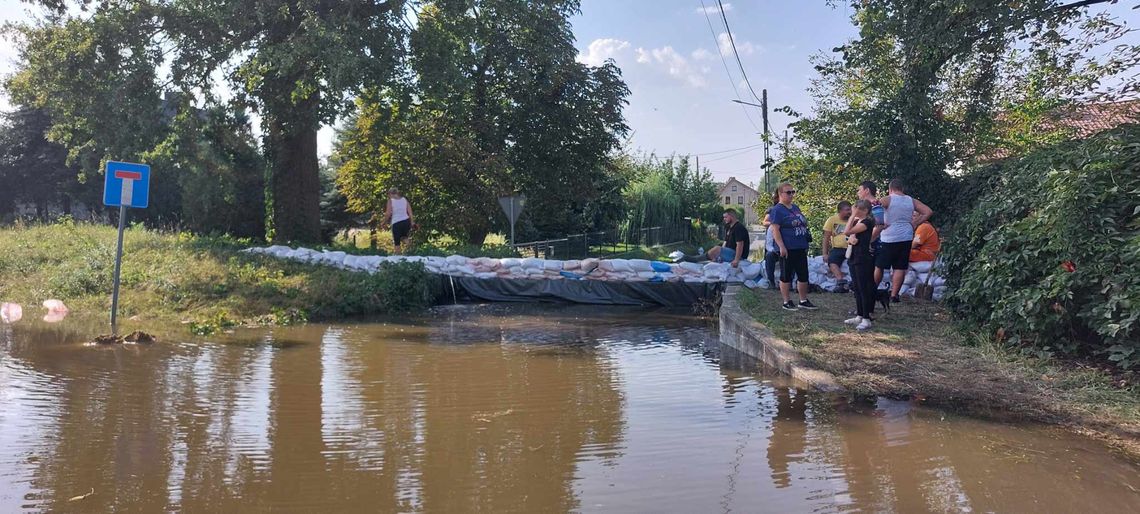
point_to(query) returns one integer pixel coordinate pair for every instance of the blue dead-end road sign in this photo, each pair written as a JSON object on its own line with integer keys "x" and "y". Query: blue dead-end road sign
{"x": 127, "y": 184}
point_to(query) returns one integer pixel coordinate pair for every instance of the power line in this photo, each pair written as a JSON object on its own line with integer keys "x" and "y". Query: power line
{"x": 729, "y": 150}
{"x": 731, "y": 81}
{"x": 732, "y": 42}
{"x": 729, "y": 156}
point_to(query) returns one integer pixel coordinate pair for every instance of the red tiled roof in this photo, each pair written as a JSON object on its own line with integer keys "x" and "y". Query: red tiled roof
{"x": 1081, "y": 121}
{"x": 1088, "y": 119}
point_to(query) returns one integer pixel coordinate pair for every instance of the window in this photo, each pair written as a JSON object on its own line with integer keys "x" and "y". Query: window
{"x": 727, "y": 200}
{"x": 734, "y": 188}
{"x": 740, "y": 200}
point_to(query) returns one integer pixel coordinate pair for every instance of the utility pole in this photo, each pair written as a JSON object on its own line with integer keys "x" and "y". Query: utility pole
{"x": 764, "y": 108}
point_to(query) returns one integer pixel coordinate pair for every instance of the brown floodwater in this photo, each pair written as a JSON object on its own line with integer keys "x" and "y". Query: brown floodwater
{"x": 498, "y": 409}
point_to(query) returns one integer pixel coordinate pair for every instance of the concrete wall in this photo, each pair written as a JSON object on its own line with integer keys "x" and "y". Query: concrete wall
{"x": 740, "y": 331}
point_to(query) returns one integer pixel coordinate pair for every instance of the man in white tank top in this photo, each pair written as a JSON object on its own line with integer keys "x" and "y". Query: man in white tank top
{"x": 903, "y": 214}
{"x": 398, "y": 213}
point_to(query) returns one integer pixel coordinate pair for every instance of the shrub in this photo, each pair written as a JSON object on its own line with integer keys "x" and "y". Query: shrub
{"x": 1048, "y": 257}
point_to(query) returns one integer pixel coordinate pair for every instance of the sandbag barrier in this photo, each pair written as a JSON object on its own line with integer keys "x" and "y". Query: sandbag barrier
{"x": 612, "y": 270}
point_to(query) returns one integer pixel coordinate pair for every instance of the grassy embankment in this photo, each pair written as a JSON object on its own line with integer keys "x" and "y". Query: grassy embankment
{"x": 916, "y": 351}
{"x": 203, "y": 282}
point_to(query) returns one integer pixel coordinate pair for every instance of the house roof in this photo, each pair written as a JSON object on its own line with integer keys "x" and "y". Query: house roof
{"x": 1082, "y": 121}
{"x": 732, "y": 180}
{"x": 1089, "y": 119}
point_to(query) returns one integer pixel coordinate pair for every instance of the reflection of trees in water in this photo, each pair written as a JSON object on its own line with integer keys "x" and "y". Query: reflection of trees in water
{"x": 375, "y": 425}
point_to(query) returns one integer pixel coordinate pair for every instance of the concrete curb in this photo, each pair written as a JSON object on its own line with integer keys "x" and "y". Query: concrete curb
{"x": 740, "y": 331}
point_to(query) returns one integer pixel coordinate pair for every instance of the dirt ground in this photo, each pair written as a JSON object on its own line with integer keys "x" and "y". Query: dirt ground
{"x": 915, "y": 351}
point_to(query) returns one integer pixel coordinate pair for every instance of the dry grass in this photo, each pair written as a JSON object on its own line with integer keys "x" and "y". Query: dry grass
{"x": 915, "y": 351}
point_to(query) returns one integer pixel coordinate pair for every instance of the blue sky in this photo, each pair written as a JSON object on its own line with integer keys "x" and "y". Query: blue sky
{"x": 681, "y": 99}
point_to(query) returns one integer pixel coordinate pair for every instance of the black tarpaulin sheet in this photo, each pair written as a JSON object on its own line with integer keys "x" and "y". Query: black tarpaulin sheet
{"x": 597, "y": 292}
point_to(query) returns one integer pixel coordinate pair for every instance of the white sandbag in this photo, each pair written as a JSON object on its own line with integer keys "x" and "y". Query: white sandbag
{"x": 691, "y": 267}
{"x": 517, "y": 271}
{"x": 694, "y": 279}
{"x": 646, "y": 274}
{"x": 619, "y": 265}
{"x": 937, "y": 281}
{"x": 332, "y": 258}
{"x": 752, "y": 270}
{"x": 829, "y": 285}
{"x": 911, "y": 279}
{"x": 640, "y": 265}
{"x": 571, "y": 265}
{"x": 436, "y": 261}
{"x": 370, "y": 262}
{"x": 716, "y": 271}
{"x": 552, "y": 265}
{"x": 463, "y": 270}
{"x": 489, "y": 274}
{"x": 510, "y": 263}
{"x": 921, "y": 266}
{"x": 456, "y": 260}
{"x": 589, "y": 265}
{"x": 531, "y": 263}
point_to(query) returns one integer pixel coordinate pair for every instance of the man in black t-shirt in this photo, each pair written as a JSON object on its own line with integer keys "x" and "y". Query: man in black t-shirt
{"x": 735, "y": 248}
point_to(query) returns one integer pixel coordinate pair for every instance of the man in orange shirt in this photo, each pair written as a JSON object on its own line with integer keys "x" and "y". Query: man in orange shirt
{"x": 926, "y": 245}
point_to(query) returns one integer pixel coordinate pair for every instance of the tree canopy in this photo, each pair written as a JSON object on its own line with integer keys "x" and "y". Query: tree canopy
{"x": 495, "y": 103}
{"x": 100, "y": 70}
{"x": 929, "y": 88}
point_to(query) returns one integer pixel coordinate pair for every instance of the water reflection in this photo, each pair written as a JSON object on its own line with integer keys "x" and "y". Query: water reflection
{"x": 501, "y": 409}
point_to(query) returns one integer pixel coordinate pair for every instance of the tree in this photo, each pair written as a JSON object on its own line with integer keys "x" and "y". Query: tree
{"x": 34, "y": 170}
{"x": 922, "y": 89}
{"x": 496, "y": 104}
{"x": 663, "y": 192}
{"x": 298, "y": 63}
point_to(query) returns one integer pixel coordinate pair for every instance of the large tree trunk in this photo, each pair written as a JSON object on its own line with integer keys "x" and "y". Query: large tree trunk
{"x": 295, "y": 178}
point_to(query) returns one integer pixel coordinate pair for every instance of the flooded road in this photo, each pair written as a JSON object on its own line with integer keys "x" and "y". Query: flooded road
{"x": 498, "y": 409}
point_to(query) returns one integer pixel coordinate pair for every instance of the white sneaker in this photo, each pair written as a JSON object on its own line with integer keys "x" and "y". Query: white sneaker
{"x": 864, "y": 325}
{"x": 854, "y": 321}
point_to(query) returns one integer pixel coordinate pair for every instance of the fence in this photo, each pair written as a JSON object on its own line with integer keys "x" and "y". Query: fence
{"x": 607, "y": 243}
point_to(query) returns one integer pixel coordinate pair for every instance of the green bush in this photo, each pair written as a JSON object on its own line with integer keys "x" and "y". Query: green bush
{"x": 1049, "y": 258}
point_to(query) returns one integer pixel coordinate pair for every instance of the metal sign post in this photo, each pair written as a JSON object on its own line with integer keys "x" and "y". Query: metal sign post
{"x": 125, "y": 185}
{"x": 512, "y": 207}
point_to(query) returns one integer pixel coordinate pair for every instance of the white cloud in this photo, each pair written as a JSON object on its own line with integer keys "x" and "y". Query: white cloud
{"x": 714, "y": 9}
{"x": 744, "y": 48}
{"x": 676, "y": 65}
{"x": 602, "y": 49}
{"x": 701, "y": 54}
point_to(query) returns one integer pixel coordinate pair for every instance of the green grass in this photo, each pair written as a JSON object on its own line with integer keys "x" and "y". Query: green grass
{"x": 917, "y": 351}
{"x": 204, "y": 281}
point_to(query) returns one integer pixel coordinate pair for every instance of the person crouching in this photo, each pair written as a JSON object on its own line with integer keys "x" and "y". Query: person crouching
{"x": 735, "y": 248}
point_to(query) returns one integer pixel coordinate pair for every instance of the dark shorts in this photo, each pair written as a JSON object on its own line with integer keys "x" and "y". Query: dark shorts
{"x": 400, "y": 231}
{"x": 795, "y": 264}
{"x": 836, "y": 256}
{"x": 895, "y": 256}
